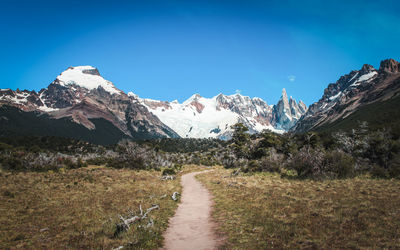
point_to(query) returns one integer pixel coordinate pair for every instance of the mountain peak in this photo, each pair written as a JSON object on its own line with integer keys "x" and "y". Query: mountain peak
{"x": 367, "y": 68}
{"x": 284, "y": 94}
{"x": 193, "y": 98}
{"x": 86, "y": 77}
{"x": 390, "y": 66}
{"x": 287, "y": 112}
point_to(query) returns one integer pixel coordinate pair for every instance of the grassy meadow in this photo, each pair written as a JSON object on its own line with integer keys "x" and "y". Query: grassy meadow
{"x": 265, "y": 211}
{"x": 79, "y": 208}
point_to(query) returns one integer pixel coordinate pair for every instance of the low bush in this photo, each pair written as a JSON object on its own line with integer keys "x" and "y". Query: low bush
{"x": 252, "y": 166}
{"x": 268, "y": 165}
{"x": 168, "y": 171}
{"x": 378, "y": 171}
{"x": 394, "y": 166}
{"x": 307, "y": 163}
{"x": 97, "y": 161}
{"x": 128, "y": 162}
{"x": 338, "y": 164}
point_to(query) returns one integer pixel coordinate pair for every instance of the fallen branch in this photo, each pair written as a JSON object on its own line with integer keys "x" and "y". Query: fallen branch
{"x": 167, "y": 177}
{"x": 236, "y": 172}
{"x": 175, "y": 196}
{"x": 125, "y": 224}
{"x": 149, "y": 210}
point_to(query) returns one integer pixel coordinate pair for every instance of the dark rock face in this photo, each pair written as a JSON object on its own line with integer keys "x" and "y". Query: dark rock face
{"x": 58, "y": 97}
{"x": 389, "y": 66}
{"x": 143, "y": 124}
{"x": 91, "y": 72}
{"x": 244, "y": 106}
{"x": 34, "y": 99}
{"x": 25, "y": 100}
{"x": 351, "y": 92}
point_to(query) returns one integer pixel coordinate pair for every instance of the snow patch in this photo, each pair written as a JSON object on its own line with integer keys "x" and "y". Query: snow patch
{"x": 130, "y": 93}
{"x": 332, "y": 98}
{"x": 366, "y": 77}
{"x": 47, "y": 109}
{"x": 75, "y": 75}
{"x": 355, "y": 75}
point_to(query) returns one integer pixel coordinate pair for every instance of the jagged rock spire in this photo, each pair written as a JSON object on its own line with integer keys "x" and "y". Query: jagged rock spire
{"x": 287, "y": 112}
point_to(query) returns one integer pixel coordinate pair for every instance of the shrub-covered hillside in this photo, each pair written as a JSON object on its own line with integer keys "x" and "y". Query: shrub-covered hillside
{"x": 32, "y": 153}
{"x": 361, "y": 150}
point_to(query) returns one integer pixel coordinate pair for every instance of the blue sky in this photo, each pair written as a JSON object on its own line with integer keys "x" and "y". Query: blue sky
{"x": 172, "y": 49}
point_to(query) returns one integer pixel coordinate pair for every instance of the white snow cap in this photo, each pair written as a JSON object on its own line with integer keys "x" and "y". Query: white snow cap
{"x": 86, "y": 77}
{"x": 130, "y": 93}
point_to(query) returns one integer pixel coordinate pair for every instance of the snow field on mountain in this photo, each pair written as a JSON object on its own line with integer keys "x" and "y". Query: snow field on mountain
{"x": 75, "y": 75}
{"x": 187, "y": 122}
{"x": 212, "y": 121}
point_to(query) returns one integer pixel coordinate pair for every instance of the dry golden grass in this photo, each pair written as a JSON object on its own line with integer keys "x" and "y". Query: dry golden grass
{"x": 79, "y": 208}
{"x": 263, "y": 211}
{"x": 193, "y": 168}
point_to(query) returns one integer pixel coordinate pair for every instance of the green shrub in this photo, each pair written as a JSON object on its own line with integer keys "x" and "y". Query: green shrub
{"x": 97, "y": 161}
{"x": 178, "y": 167}
{"x": 5, "y": 147}
{"x": 339, "y": 164}
{"x": 394, "y": 166}
{"x": 252, "y": 166}
{"x": 307, "y": 163}
{"x": 12, "y": 163}
{"x": 267, "y": 165}
{"x": 379, "y": 171}
{"x": 129, "y": 162}
{"x": 168, "y": 171}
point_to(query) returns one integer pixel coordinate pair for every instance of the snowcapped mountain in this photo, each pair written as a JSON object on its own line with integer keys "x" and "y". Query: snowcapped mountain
{"x": 81, "y": 95}
{"x": 352, "y": 92}
{"x": 68, "y": 89}
{"x": 86, "y": 77}
{"x": 201, "y": 117}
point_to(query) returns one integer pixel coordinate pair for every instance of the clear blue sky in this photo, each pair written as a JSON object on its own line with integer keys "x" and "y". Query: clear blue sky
{"x": 171, "y": 49}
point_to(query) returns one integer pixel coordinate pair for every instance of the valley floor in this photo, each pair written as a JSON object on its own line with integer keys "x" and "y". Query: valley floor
{"x": 80, "y": 208}
{"x": 263, "y": 211}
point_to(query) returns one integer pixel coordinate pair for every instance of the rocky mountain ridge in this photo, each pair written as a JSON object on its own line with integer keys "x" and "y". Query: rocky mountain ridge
{"x": 202, "y": 117}
{"x": 82, "y": 94}
{"x": 351, "y": 92}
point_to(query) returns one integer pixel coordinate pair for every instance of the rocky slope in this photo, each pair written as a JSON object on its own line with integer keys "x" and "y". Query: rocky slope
{"x": 352, "y": 92}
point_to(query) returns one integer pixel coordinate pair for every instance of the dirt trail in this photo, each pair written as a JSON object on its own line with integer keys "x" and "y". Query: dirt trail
{"x": 192, "y": 227}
